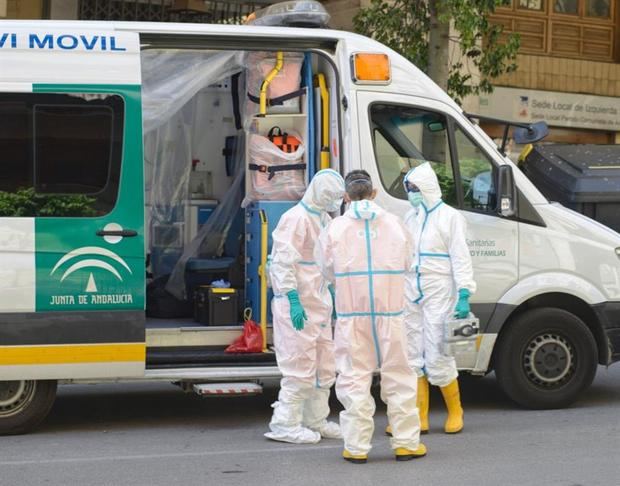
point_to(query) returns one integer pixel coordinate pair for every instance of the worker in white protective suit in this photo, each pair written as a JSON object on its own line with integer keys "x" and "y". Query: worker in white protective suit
{"x": 302, "y": 317}
{"x": 437, "y": 291}
{"x": 365, "y": 253}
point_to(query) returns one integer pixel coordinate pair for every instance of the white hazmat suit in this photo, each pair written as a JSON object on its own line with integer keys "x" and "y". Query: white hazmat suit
{"x": 305, "y": 357}
{"x": 442, "y": 267}
{"x": 366, "y": 252}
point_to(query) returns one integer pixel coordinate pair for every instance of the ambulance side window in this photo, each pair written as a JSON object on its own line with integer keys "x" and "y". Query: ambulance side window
{"x": 60, "y": 154}
{"x": 405, "y": 137}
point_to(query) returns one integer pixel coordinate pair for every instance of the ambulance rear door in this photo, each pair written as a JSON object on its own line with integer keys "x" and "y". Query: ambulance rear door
{"x": 72, "y": 263}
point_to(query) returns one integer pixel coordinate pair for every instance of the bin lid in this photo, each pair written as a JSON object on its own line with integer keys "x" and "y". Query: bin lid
{"x": 579, "y": 173}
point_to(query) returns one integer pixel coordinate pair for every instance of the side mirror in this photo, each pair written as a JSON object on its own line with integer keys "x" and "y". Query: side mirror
{"x": 533, "y": 133}
{"x": 506, "y": 191}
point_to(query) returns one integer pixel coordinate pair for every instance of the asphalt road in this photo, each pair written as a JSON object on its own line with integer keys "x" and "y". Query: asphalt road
{"x": 153, "y": 434}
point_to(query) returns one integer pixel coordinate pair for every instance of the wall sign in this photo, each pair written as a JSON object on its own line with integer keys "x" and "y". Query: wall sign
{"x": 557, "y": 109}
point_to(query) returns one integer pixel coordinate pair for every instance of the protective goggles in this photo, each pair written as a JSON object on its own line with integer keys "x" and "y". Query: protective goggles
{"x": 410, "y": 187}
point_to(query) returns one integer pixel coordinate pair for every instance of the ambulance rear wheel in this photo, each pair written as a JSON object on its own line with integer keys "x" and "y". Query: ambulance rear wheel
{"x": 24, "y": 404}
{"x": 545, "y": 358}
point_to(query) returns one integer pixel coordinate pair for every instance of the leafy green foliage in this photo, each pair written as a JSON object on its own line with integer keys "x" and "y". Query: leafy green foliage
{"x": 403, "y": 25}
{"x": 27, "y": 203}
{"x": 446, "y": 182}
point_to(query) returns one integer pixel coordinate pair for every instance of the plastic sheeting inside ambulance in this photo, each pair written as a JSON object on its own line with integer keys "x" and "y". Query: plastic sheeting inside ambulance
{"x": 186, "y": 94}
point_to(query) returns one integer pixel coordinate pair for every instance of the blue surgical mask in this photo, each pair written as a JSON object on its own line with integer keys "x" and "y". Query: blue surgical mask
{"x": 334, "y": 205}
{"x": 415, "y": 198}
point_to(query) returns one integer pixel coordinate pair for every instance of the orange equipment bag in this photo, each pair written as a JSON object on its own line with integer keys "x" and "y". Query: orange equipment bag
{"x": 285, "y": 142}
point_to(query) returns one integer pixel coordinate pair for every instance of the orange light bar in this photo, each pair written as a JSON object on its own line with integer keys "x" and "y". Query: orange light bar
{"x": 371, "y": 68}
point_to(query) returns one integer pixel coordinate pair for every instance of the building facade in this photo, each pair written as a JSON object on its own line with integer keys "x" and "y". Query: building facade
{"x": 568, "y": 67}
{"x": 16, "y": 9}
{"x": 201, "y": 11}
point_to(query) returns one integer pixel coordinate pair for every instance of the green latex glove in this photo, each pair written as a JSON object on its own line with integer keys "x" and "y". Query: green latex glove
{"x": 332, "y": 291}
{"x": 298, "y": 314}
{"x": 462, "y": 309}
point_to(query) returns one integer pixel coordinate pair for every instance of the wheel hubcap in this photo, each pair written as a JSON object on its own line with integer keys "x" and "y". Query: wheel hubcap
{"x": 15, "y": 396}
{"x": 549, "y": 360}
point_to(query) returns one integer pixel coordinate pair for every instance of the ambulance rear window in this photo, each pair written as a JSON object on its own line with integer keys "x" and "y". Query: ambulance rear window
{"x": 64, "y": 148}
{"x": 63, "y": 135}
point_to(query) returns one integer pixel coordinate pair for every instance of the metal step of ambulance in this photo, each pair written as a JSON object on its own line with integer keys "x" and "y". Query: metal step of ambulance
{"x": 223, "y": 373}
{"x": 204, "y": 356}
{"x": 227, "y": 389}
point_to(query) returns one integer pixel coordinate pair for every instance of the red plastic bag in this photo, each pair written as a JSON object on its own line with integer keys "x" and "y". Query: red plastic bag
{"x": 251, "y": 341}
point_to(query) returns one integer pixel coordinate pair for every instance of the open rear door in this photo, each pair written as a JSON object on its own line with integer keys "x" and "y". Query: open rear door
{"x": 72, "y": 261}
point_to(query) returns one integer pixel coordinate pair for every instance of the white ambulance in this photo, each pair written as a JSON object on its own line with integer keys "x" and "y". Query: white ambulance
{"x": 126, "y": 158}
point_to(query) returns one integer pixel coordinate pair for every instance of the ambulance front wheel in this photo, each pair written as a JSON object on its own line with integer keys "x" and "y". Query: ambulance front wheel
{"x": 24, "y": 404}
{"x": 545, "y": 358}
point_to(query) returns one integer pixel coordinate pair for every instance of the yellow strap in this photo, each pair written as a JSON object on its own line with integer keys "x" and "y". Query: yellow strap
{"x": 262, "y": 271}
{"x": 325, "y": 163}
{"x": 216, "y": 290}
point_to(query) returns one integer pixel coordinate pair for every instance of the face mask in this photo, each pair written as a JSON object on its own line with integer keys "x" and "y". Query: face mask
{"x": 415, "y": 198}
{"x": 334, "y": 205}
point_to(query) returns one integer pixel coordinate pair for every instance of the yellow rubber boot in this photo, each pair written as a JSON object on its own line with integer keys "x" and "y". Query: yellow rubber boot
{"x": 452, "y": 397}
{"x": 423, "y": 403}
{"x": 355, "y": 459}
{"x": 404, "y": 454}
{"x": 388, "y": 430}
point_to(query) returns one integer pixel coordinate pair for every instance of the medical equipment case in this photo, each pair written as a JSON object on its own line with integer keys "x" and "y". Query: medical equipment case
{"x": 459, "y": 340}
{"x": 215, "y": 306}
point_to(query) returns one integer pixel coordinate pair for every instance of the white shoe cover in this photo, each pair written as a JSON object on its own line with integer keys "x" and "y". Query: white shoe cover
{"x": 329, "y": 430}
{"x": 297, "y": 435}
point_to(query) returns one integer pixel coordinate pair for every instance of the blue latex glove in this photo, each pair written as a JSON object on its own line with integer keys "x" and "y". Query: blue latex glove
{"x": 332, "y": 291}
{"x": 298, "y": 314}
{"x": 462, "y": 309}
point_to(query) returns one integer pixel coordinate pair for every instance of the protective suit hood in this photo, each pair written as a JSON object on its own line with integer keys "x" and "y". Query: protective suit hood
{"x": 425, "y": 179}
{"x": 364, "y": 209}
{"x": 325, "y": 187}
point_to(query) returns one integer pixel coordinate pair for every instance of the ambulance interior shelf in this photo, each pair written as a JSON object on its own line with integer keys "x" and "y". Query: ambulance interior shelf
{"x": 273, "y": 210}
{"x": 280, "y": 161}
{"x": 285, "y": 103}
{"x": 263, "y": 154}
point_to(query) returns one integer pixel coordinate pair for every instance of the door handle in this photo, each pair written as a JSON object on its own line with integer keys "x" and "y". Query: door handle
{"x": 127, "y": 233}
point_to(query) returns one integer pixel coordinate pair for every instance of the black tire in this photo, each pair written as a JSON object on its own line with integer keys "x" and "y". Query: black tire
{"x": 545, "y": 358}
{"x": 24, "y": 404}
